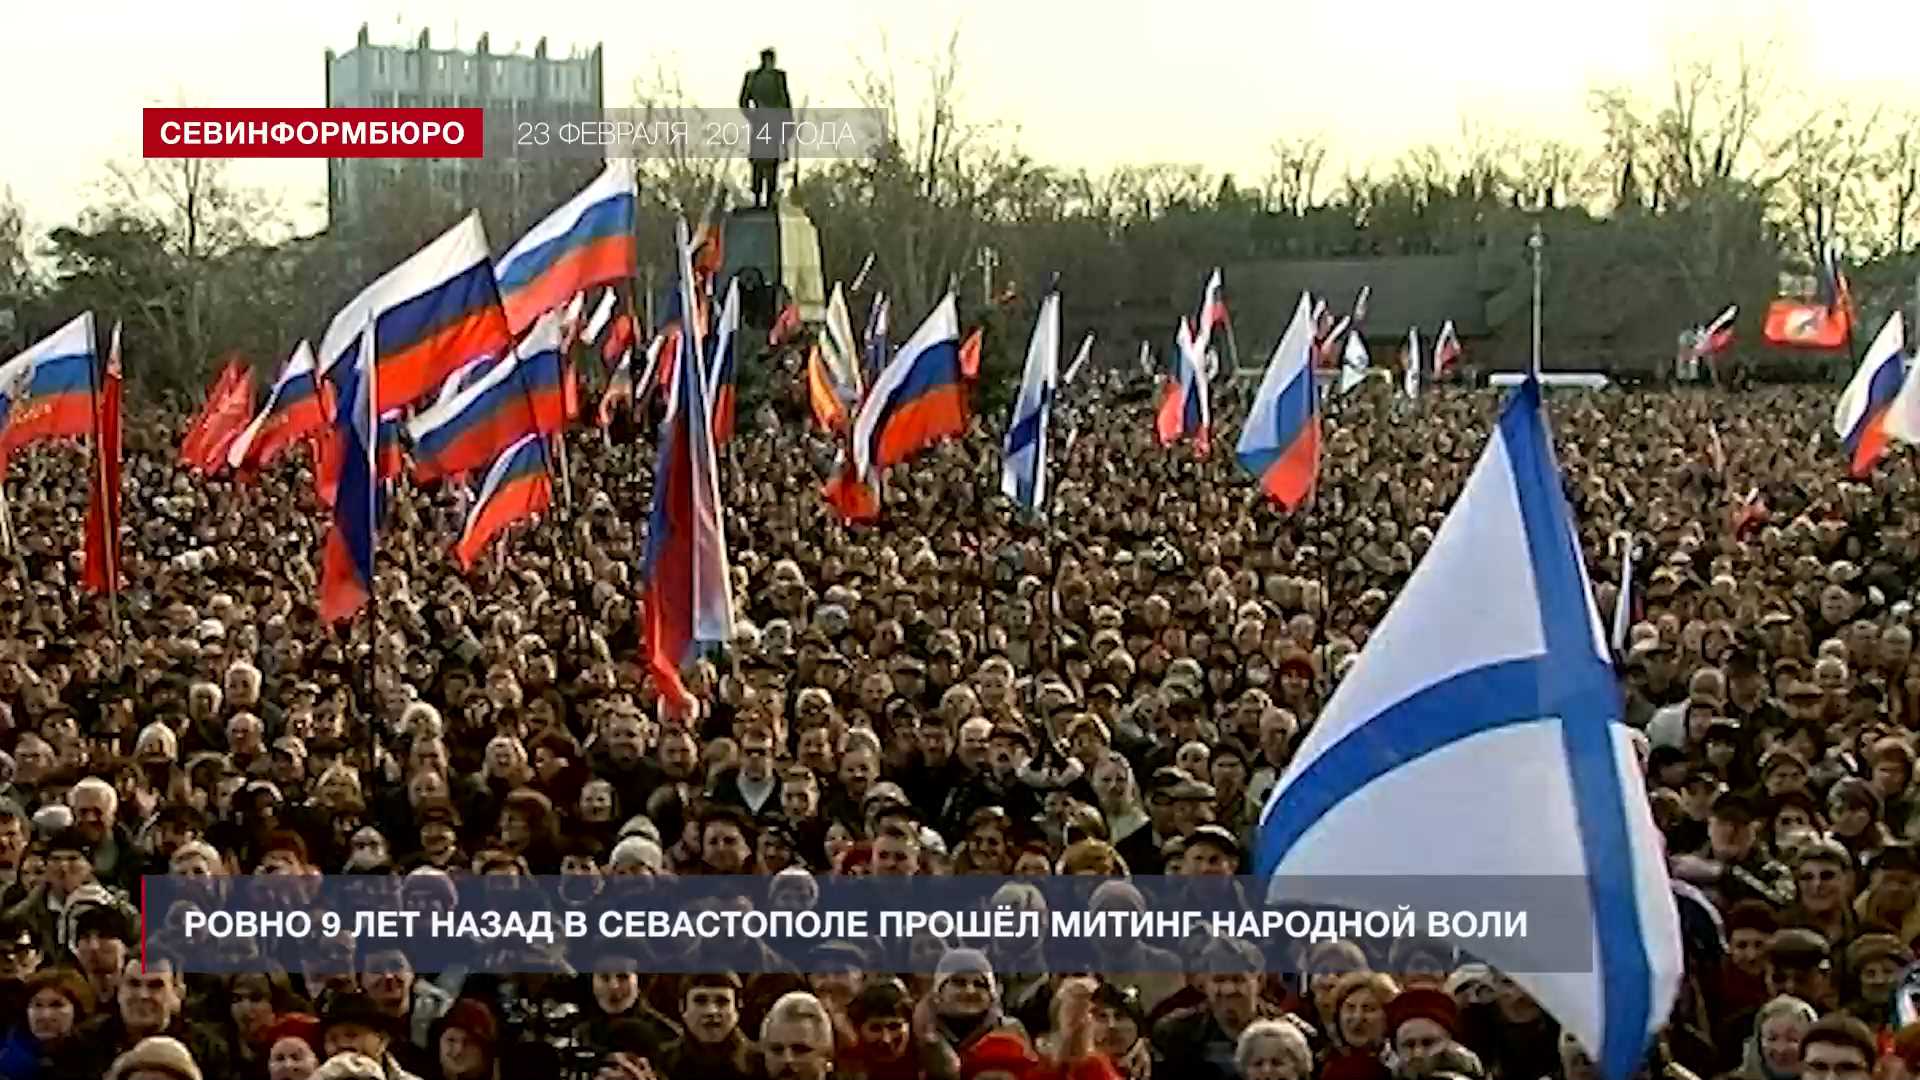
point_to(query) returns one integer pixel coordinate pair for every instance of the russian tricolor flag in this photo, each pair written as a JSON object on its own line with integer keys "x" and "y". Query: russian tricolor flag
{"x": 46, "y": 392}
{"x": 295, "y": 409}
{"x": 1860, "y": 416}
{"x": 1023, "y": 469}
{"x": 432, "y": 314}
{"x": 346, "y": 564}
{"x": 1184, "y": 406}
{"x": 517, "y": 487}
{"x": 918, "y": 399}
{"x": 1213, "y": 312}
{"x": 1280, "y": 444}
{"x": 522, "y": 394}
{"x": 588, "y": 241}
{"x": 689, "y": 603}
{"x": 721, "y": 368}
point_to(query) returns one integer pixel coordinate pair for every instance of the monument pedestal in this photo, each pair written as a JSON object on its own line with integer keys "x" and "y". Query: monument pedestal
{"x": 782, "y": 245}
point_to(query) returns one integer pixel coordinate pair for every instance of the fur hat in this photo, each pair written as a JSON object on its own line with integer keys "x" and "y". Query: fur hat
{"x": 156, "y": 1054}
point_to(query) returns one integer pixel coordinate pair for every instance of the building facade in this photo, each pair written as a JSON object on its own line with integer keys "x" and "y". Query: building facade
{"x": 512, "y": 191}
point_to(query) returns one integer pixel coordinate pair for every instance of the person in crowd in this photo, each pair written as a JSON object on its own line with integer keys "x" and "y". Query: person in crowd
{"x": 53, "y": 1040}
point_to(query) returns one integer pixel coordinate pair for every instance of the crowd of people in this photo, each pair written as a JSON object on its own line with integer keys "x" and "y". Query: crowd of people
{"x": 954, "y": 689}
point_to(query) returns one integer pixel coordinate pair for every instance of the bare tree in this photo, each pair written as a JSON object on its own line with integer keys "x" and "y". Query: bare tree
{"x": 1896, "y": 172}
{"x": 1825, "y": 190}
{"x": 1292, "y": 185}
{"x": 13, "y": 247}
{"x": 1549, "y": 174}
{"x": 686, "y": 180}
{"x": 1705, "y": 133}
{"x": 203, "y": 219}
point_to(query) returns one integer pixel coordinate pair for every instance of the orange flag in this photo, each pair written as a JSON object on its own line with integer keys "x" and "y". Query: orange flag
{"x": 970, "y": 355}
{"x": 828, "y": 410}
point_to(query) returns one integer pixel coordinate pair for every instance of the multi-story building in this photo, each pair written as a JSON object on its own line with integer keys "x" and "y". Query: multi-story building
{"x": 511, "y": 190}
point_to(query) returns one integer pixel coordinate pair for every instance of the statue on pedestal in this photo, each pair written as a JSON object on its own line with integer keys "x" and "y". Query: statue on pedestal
{"x": 769, "y": 109}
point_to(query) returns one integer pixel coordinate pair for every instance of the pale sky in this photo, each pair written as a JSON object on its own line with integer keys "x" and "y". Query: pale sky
{"x": 1087, "y": 84}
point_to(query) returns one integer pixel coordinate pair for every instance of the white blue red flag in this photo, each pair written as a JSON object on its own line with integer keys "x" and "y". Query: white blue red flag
{"x": 1860, "y": 416}
{"x": 588, "y": 240}
{"x": 346, "y": 563}
{"x": 514, "y": 397}
{"x": 722, "y": 365}
{"x": 432, "y": 314}
{"x": 1213, "y": 313}
{"x": 918, "y": 399}
{"x": 46, "y": 392}
{"x": 1280, "y": 444}
{"x": 1023, "y": 468}
{"x": 1185, "y": 407}
{"x": 1446, "y": 351}
{"x": 517, "y": 487}
{"x": 689, "y": 603}
{"x": 1479, "y": 736}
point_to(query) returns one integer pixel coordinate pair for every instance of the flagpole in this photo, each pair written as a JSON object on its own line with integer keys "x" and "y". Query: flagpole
{"x": 1534, "y": 244}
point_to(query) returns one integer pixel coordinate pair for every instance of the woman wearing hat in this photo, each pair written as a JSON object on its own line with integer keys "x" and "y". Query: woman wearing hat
{"x": 1772, "y": 1051}
{"x": 1853, "y": 806}
{"x": 465, "y": 1043}
{"x": 966, "y": 1002}
{"x": 47, "y": 1044}
{"x": 156, "y": 1058}
{"x": 292, "y": 1043}
{"x": 1874, "y": 963}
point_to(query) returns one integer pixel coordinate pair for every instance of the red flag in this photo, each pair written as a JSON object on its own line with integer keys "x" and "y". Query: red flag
{"x": 228, "y": 410}
{"x": 1750, "y": 515}
{"x": 619, "y": 336}
{"x": 851, "y": 497}
{"x": 100, "y": 570}
{"x": 785, "y": 325}
{"x": 970, "y": 355}
{"x": 1813, "y": 324}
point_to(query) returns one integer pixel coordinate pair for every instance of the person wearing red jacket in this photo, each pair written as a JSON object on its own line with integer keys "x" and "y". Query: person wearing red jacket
{"x": 1006, "y": 1055}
